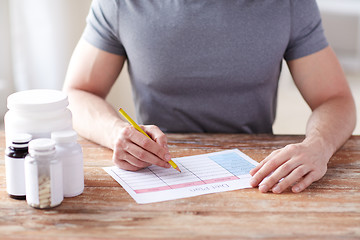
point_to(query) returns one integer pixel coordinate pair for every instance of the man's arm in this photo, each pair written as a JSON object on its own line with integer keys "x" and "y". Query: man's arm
{"x": 91, "y": 74}
{"x": 322, "y": 84}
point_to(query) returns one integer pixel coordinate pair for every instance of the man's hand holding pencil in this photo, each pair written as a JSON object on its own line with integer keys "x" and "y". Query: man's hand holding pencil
{"x": 139, "y": 147}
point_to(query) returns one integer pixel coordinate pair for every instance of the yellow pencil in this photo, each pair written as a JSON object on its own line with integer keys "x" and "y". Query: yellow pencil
{"x": 133, "y": 123}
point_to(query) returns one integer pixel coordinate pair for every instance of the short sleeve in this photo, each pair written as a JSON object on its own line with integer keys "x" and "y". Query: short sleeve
{"x": 102, "y": 28}
{"x": 307, "y": 34}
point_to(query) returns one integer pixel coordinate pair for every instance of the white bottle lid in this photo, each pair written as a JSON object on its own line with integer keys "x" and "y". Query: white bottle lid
{"x": 20, "y": 140}
{"x": 66, "y": 136}
{"x": 42, "y": 146}
{"x": 37, "y": 100}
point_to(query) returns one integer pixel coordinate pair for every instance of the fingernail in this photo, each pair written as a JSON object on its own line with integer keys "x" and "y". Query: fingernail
{"x": 276, "y": 189}
{"x": 296, "y": 189}
{"x": 263, "y": 188}
{"x": 253, "y": 182}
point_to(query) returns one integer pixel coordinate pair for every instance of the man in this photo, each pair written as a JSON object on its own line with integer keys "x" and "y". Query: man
{"x": 210, "y": 66}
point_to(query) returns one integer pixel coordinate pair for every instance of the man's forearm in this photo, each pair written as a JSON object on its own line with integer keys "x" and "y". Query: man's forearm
{"x": 332, "y": 123}
{"x": 94, "y": 118}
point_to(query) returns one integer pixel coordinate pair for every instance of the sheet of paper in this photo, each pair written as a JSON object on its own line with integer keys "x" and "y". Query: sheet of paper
{"x": 201, "y": 174}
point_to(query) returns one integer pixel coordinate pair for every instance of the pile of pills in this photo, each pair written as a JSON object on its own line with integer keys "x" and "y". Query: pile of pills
{"x": 44, "y": 192}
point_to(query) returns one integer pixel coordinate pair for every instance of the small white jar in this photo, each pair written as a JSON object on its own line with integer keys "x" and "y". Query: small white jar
{"x": 43, "y": 175}
{"x": 69, "y": 151}
{"x": 37, "y": 112}
{"x": 14, "y": 165}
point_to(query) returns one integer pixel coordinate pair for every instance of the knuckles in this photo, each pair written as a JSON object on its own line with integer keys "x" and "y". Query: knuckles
{"x": 122, "y": 140}
{"x": 302, "y": 172}
{"x": 126, "y": 132}
{"x": 286, "y": 168}
{"x": 146, "y": 143}
{"x": 292, "y": 148}
{"x": 142, "y": 155}
{"x": 122, "y": 164}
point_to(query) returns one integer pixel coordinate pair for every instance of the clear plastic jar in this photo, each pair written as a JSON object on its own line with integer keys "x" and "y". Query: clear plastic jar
{"x": 37, "y": 112}
{"x": 14, "y": 165}
{"x": 69, "y": 151}
{"x": 43, "y": 175}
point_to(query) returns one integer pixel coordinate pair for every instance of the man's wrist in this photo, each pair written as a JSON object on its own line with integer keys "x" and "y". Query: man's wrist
{"x": 320, "y": 142}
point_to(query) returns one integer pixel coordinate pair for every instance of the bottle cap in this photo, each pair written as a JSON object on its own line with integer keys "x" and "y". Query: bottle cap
{"x": 20, "y": 140}
{"x": 66, "y": 136}
{"x": 42, "y": 146}
{"x": 37, "y": 100}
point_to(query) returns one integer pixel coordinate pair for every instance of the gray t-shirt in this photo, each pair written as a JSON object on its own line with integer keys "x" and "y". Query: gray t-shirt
{"x": 206, "y": 65}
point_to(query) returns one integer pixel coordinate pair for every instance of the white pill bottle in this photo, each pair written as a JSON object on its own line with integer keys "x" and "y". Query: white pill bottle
{"x": 37, "y": 112}
{"x": 43, "y": 175}
{"x": 69, "y": 151}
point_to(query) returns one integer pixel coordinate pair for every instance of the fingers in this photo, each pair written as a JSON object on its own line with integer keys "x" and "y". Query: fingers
{"x": 127, "y": 165}
{"x": 157, "y": 135}
{"x": 294, "y": 165}
{"x": 261, "y": 164}
{"x": 307, "y": 181}
{"x": 284, "y": 175}
{"x": 268, "y": 166}
{"x": 133, "y": 150}
{"x": 154, "y": 153}
{"x": 123, "y": 159}
{"x": 288, "y": 180}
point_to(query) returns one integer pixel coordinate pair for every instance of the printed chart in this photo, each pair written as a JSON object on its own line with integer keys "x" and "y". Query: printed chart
{"x": 201, "y": 174}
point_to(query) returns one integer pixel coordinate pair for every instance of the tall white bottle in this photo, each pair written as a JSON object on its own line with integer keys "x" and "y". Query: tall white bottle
{"x": 69, "y": 151}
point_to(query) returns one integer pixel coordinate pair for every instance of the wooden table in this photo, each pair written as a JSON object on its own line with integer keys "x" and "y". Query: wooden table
{"x": 328, "y": 209}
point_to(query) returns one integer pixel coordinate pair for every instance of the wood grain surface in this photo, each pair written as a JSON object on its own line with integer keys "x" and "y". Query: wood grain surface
{"x": 328, "y": 209}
